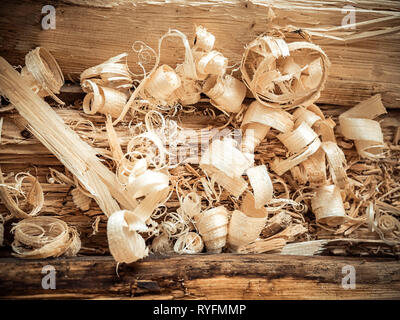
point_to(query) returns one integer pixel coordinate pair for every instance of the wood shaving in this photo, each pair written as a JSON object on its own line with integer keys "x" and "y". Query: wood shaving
{"x": 125, "y": 244}
{"x": 327, "y": 205}
{"x": 226, "y": 93}
{"x": 213, "y": 228}
{"x": 113, "y": 73}
{"x": 357, "y": 124}
{"x": 189, "y": 243}
{"x": 279, "y": 74}
{"x": 261, "y": 184}
{"x": 42, "y": 73}
{"x": 246, "y": 225}
{"x": 33, "y": 197}
{"x": 257, "y": 121}
{"x": 162, "y": 244}
{"x": 43, "y": 237}
{"x": 103, "y": 100}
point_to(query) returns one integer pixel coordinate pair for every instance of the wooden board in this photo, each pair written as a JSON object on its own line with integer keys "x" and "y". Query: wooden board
{"x": 225, "y": 276}
{"x": 88, "y": 32}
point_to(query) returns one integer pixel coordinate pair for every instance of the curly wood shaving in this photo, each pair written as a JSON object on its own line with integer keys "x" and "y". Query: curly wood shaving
{"x": 246, "y": 225}
{"x": 314, "y": 168}
{"x": 162, "y": 84}
{"x": 34, "y": 197}
{"x": 161, "y": 244}
{"x": 150, "y": 203}
{"x": 314, "y": 108}
{"x": 226, "y": 92}
{"x": 151, "y": 146}
{"x": 357, "y": 124}
{"x": 223, "y": 156}
{"x": 104, "y": 100}
{"x": 205, "y": 61}
{"x": 191, "y": 204}
{"x": 210, "y": 63}
{"x": 257, "y": 121}
{"x": 176, "y": 224}
{"x": 324, "y": 129}
{"x": 235, "y": 186}
{"x": 125, "y": 244}
{"x": 204, "y": 40}
{"x": 147, "y": 182}
{"x": 298, "y": 139}
{"x": 337, "y": 163}
{"x": 113, "y": 73}
{"x": 305, "y": 115}
{"x": 243, "y": 229}
{"x": 189, "y": 243}
{"x": 261, "y": 184}
{"x": 43, "y": 237}
{"x": 327, "y": 205}
{"x": 389, "y": 225}
{"x": 284, "y": 75}
{"x": 281, "y": 166}
{"x": 42, "y": 73}
{"x": 213, "y": 228}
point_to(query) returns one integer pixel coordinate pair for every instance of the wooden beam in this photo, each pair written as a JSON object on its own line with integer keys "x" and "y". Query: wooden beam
{"x": 88, "y": 32}
{"x": 224, "y": 276}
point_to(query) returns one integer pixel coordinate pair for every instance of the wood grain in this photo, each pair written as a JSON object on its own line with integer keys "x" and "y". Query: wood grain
{"x": 89, "y": 32}
{"x": 224, "y": 276}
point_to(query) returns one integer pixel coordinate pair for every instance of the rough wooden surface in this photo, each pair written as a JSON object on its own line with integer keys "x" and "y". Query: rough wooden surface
{"x": 88, "y": 32}
{"x": 225, "y": 276}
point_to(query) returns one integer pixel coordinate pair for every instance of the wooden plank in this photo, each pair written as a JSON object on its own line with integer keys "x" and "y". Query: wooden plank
{"x": 89, "y": 32}
{"x": 225, "y": 276}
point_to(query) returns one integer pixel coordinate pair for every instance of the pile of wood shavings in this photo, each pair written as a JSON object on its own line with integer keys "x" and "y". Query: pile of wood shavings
{"x": 293, "y": 182}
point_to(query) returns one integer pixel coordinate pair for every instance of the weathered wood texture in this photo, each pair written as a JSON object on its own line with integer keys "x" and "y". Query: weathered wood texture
{"x": 225, "y": 276}
{"x": 88, "y": 32}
